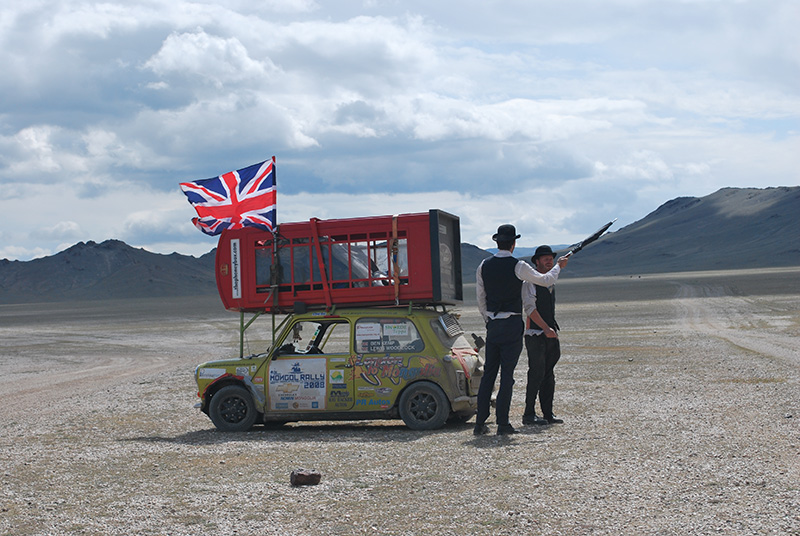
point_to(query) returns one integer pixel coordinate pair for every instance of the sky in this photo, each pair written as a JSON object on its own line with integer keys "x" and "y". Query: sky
{"x": 555, "y": 116}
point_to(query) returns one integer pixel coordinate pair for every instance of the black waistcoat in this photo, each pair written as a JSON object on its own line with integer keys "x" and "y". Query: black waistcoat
{"x": 503, "y": 287}
{"x": 546, "y": 305}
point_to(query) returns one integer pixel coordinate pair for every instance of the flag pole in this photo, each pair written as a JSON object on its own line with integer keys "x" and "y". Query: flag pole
{"x": 274, "y": 282}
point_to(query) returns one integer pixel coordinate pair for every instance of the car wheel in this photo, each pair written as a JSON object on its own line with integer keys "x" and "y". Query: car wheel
{"x": 424, "y": 406}
{"x": 232, "y": 409}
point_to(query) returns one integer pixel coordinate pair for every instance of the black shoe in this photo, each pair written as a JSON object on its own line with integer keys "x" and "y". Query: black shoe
{"x": 552, "y": 419}
{"x": 533, "y": 419}
{"x": 480, "y": 429}
{"x": 506, "y": 429}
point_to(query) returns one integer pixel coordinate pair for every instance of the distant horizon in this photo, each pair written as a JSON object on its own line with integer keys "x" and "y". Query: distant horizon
{"x": 525, "y": 250}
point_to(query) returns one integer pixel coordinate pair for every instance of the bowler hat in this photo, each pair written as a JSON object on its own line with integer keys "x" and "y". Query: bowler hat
{"x": 541, "y": 251}
{"x": 505, "y": 233}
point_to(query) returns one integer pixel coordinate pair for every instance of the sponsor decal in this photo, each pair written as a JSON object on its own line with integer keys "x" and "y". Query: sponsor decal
{"x": 210, "y": 373}
{"x": 381, "y": 403}
{"x": 368, "y": 331}
{"x": 242, "y": 371}
{"x": 336, "y": 376}
{"x": 258, "y": 379}
{"x": 340, "y": 398}
{"x": 298, "y": 384}
{"x": 396, "y": 330}
{"x": 384, "y": 390}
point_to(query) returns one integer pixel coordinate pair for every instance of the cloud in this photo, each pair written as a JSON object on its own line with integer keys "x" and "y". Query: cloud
{"x": 61, "y": 231}
{"x": 208, "y": 58}
{"x": 550, "y": 115}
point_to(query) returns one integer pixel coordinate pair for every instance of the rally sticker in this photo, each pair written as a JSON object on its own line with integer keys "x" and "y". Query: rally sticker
{"x": 297, "y": 384}
{"x": 210, "y": 373}
{"x": 336, "y": 379}
{"x": 395, "y": 330}
{"x": 368, "y": 331}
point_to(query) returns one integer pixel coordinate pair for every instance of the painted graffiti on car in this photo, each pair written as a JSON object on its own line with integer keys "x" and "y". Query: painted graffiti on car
{"x": 374, "y": 369}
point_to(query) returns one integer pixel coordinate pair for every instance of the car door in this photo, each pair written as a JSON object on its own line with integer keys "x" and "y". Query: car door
{"x": 389, "y": 354}
{"x": 309, "y": 372}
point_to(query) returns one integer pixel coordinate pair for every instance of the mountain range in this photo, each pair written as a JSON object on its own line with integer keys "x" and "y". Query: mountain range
{"x": 732, "y": 228}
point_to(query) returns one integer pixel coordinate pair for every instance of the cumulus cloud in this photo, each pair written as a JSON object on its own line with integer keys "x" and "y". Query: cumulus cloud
{"x": 550, "y": 115}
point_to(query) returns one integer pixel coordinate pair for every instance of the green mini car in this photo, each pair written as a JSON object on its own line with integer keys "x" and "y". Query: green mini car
{"x": 374, "y": 363}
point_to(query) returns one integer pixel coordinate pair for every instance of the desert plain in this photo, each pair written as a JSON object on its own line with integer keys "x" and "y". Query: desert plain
{"x": 680, "y": 394}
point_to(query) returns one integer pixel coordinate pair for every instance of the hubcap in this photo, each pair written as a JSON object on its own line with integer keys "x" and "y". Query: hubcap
{"x": 233, "y": 409}
{"x": 423, "y": 407}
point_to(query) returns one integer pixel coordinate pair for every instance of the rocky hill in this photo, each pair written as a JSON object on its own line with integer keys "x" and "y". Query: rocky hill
{"x": 732, "y": 228}
{"x": 111, "y": 269}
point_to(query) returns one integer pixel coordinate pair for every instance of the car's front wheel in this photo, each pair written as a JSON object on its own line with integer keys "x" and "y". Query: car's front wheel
{"x": 424, "y": 406}
{"x": 232, "y": 409}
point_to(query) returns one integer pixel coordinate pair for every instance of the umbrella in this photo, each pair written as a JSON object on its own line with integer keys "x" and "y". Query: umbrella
{"x": 586, "y": 241}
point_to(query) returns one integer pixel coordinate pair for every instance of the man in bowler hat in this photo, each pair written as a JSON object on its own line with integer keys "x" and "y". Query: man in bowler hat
{"x": 541, "y": 342}
{"x": 499, "y": 291}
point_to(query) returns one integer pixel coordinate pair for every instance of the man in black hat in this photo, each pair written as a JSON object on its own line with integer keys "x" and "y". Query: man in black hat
{"x": 499, "y": 291}
{"x": 541, "y": 341}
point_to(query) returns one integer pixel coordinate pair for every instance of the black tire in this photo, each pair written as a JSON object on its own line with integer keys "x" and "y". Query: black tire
{"x": 232, "y": 409}
{"x": 424, "y": 406}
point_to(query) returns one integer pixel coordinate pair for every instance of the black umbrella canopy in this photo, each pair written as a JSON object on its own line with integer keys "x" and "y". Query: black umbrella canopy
{"x": 586, "y": 241}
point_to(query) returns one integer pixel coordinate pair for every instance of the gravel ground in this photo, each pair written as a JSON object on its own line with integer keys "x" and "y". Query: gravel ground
{"x": 679, "y": 393}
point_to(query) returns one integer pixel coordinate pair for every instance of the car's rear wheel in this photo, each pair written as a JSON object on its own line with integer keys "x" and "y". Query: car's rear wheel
{"x": 232, "y": 409}
{"x": 424, "y": 406}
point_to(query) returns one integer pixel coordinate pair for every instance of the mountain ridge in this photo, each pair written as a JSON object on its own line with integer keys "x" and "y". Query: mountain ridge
{"x": 729, "y": 229}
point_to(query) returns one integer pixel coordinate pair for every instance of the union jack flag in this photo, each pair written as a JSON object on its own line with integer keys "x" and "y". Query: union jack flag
{"x": 242, "y": 198}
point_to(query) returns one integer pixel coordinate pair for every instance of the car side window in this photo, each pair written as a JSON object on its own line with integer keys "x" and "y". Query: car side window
{"x": 308, "y": 337}
{"x": 384, "y": 335}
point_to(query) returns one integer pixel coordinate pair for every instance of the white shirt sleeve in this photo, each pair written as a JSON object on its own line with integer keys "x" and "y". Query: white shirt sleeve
{"x": 528, "y": 298}
{"x": 480, "y": 293}
{"x": 525, "y": 272}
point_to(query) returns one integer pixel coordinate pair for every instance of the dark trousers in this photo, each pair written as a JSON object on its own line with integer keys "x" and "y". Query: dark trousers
{"x": 543, "y": 354}
{"x": 503, "y": 347}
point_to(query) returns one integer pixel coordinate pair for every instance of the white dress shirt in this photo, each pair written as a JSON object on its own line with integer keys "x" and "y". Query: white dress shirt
{"x": 529, "y": 306}
{"x": 524, "y": 272}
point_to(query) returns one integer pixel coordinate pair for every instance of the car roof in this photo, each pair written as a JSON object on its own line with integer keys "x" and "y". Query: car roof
{"x": 350, "y": 313}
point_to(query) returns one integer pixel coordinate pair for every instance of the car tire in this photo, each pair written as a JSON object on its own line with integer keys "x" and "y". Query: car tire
{"x": 424, "y": 406}
{"x": 232, "y": 409}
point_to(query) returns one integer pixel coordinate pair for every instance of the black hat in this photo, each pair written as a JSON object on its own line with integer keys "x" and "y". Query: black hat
{"x": 505, "y": 233}
{"x": 541, "y": 251}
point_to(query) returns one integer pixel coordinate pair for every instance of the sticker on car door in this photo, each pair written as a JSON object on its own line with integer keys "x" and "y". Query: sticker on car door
{"x": 297, "y": 384}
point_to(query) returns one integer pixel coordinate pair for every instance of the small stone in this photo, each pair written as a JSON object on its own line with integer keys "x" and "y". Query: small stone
{"x": 305, "y": 477}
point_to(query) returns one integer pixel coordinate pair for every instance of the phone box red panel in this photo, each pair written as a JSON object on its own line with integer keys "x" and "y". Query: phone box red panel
{"x": 379, "y": 260}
